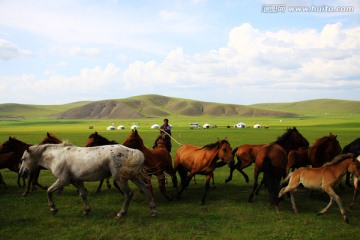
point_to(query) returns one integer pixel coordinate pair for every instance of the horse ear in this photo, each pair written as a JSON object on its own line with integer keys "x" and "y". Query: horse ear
{"x": 48, "y": 134}
{"x": 28, "y": 149}
{"x": 96, "y": 133}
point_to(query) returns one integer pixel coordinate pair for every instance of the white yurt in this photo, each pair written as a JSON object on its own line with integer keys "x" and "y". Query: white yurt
{"x": 206, "y": 126}
{"x": 257, "y": 126}
{"x": 121, "y": 127}
{"x": 133, "y": 127}
{"x": 240, "y": 125}
{"x": 110, "y": 128}
{"x": 155, "y": 126}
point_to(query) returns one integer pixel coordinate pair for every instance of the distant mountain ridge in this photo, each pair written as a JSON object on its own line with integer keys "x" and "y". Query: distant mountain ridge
{"x": 161, "y": 106}
{"x": 157, "y": 105}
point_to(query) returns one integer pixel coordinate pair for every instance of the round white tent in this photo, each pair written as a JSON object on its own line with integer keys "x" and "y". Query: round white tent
{"x": 206, "y": 125}
{"x": 110, "y": 128}
{"x": 155, "y": 126}
{"x": 121, "y": 127}
{"x": 133, "y": 127}
{"x": 257, "y": 126}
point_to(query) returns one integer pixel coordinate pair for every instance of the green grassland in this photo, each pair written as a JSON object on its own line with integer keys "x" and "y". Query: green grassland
{"x": 226, "y": 214}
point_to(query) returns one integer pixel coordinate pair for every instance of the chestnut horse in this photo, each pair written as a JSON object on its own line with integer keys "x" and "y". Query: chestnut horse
{"x": 157, "y": 160}
{"x": 34, "y": 176}
{"x": 272, "y": 159}
{"x": 323, "y": 150}
{"x": 201, "y": 160}
{"x": 246, "y": 155}
{"x": 95, "y": 140}
{"x": 11, "y": 152}
{"x": 324, "y": 178}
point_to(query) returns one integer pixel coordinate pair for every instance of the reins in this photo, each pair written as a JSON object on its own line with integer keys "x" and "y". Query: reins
{"x": 180, "y": 144}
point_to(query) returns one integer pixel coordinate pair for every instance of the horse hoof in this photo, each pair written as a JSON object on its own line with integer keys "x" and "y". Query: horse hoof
{"x": 153, "y": 214}
{"x": 120, "y": 215}
{"x": 54, "y": 211}
{"x": 346, "y": 220}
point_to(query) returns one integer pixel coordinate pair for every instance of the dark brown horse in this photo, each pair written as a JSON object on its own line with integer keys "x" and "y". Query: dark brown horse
{"x": 272, "y": 159}
{"x": 34, "y": 176}
{"x": 11, "y": 152}
{"x": 94, "y": 140}
{"x": 201, "y": 160}
{"x": 354, "y": 148}
{"x": 157, "y": 160}
{"x": 246, "y": 155}
{"x": 323, "y": 150}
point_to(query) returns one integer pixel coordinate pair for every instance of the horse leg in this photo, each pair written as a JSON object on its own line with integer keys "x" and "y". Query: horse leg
{"x": 207, "y": 185}
{"x": 325, "y": 209}
{"x": 55, "y": 186}
{"x": 83, "y": 193}
{"x": 259, "y": 187}
{"x": 161, "y": 181}
{"x": 337, "y": 199}
{"x": 185, "y": 183}
{"x": 29, "y": 187}
{"x": 36, "y": 178}
{"x": 232, "y": 169}
{"x": 148, "y": 194}
{"x": 347, "y": 181}
{"x": 108, "y": 183}
{"x": 356, "y": 191}
{"x": 100, "y": 186}
{"x": 251, "y": 196}
{"x": 124, "y": 186}
{"x": 194, "y": 179}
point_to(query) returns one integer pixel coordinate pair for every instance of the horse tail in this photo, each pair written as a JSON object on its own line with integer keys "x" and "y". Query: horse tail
{"x": 234, "y": 151}
{"x": 271, "y": 180}
{"x": 286, "y": 181}
{"x": 183, "y": 175}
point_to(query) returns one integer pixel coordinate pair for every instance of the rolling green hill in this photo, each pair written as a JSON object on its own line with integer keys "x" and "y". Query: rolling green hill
{"x": 158, "y": 106}
{"x": 319, "y": 106}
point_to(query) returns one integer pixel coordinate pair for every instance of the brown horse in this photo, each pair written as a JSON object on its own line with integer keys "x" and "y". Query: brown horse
{"x": 94, "y": 140}
{"x": 246, "y": 155}
{"x": 324, "y": 178}
{"x": 11, "y": 152}
{"x": 34, "y": 176}
{"x": 157, "y": 160}
{"x": 323, "y": 150}
{"x": 272, "y": 159}
{"x": 201, "y": 160}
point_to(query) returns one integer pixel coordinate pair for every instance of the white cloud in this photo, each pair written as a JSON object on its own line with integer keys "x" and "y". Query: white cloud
{"x": 9, "y": 51}
{"x": 328, "y": 58}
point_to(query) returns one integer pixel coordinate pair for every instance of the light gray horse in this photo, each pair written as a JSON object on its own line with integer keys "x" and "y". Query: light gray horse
{"x": 74, "y": 165}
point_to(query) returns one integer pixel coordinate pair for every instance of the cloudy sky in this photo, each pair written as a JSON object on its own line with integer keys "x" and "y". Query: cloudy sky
{"x": 231, "y": 51}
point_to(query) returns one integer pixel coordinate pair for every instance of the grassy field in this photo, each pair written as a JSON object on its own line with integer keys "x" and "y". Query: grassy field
{"x": 226, "y": 214}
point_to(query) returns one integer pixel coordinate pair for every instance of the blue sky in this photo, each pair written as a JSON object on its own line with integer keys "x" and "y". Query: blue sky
{"x": 55, "y": 52}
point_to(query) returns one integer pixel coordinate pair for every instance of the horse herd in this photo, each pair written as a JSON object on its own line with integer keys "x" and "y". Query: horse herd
{"x": 101, "y": 159}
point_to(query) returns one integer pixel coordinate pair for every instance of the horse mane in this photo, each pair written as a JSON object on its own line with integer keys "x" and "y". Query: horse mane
{"x": 214, "y": 145}
{"x": 339, "y": 158}
{"x": 285, "y": 136}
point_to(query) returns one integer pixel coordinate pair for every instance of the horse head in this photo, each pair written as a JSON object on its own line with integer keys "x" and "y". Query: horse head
{"x": 293, "y": 139}
{"x": 96, "y": 139}
{"x": 334, "y": 145}
{"x": 134, "y": 140}
{"x": 225, "y": 152}
{"x": 14, "y": 145}
{"x": 50, "y": 139}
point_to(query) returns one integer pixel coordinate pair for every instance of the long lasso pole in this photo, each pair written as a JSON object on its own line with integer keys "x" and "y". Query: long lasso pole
{"x": 170, "y": 136}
